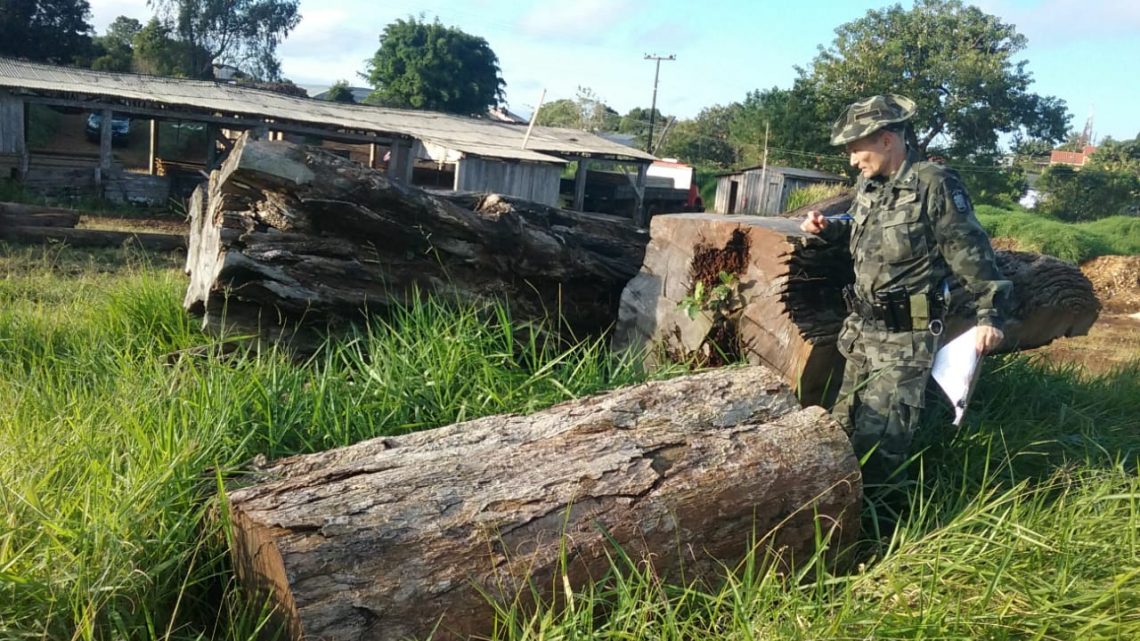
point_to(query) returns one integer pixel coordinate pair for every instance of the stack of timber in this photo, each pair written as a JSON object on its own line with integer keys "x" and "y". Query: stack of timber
{"x": 284, "y": 233}
{"x": 395, "y": 538}
{"x": 35, "y": 224}
{"x": 770, "y": 293}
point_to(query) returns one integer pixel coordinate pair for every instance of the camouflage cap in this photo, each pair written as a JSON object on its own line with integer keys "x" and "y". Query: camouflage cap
{"x": 865, "y": 117}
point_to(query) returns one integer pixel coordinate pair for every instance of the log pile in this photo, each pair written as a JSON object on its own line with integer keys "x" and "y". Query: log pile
{"x": 36, "y": 224}
{"x": 284, "y": 232}
{"x": 390, "y": 538}
{"x": 783, "y": 307}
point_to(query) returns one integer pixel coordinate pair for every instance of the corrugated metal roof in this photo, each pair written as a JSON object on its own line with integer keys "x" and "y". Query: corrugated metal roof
{"x": 794, "y": 172}
{"x": 468, "y": 135}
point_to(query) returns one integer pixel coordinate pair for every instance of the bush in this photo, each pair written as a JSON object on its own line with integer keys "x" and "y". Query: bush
{"x": 1088, "y": 194}
{"x": 1117, "y": 235}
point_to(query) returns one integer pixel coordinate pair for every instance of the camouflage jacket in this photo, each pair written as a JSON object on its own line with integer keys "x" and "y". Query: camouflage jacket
{"x": 918, "y": 229}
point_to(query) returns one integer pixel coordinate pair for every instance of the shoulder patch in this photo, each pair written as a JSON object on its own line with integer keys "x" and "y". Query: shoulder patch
{"x": 960, "y": 201}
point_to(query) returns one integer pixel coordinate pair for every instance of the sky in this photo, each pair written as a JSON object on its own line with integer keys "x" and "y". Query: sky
{"x": 1084, "y": 52}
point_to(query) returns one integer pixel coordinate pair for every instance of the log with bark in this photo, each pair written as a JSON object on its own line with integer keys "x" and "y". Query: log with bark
{"x": 390, "y": 538}
{"x": 287, "y": 232}
{"x": 781, "y": 305}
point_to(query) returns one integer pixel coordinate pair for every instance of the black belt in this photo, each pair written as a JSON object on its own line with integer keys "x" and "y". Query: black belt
{"x": 898, "y": 310}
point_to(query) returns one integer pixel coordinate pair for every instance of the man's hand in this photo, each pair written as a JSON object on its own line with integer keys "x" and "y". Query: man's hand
{"x": 814, "y": 223}
{"x": 988, "y": 338}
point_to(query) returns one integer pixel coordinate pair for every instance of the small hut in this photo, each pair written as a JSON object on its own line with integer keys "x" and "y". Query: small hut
{"x": 764, "y": 191}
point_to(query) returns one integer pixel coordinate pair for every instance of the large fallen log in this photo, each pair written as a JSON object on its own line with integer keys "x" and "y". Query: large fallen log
{"x": 391, "y": 537}
{"x": 285, "y": 232}
{"x": 24, "y": 215}
{"x": 93, "y": 237}
{"x": 778, "y": 302}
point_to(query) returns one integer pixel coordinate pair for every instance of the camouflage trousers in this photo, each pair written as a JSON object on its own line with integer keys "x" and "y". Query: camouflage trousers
{"x": 883, "y": 394}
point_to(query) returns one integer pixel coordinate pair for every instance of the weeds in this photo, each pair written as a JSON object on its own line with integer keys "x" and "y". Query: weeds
{"x": 1024, "y": 524}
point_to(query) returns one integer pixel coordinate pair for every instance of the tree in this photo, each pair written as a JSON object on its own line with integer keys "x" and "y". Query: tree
{"x": 1088, "y": 194}
{"x": 703, "y": 141}
{"x": 340, "y": 92}
{"x": 156, "y": 52}
{"x": 587, "y": 111}
{"x": 423, "y": 65}
{"x": 115, "y": 49}
{"x": 957, "y": 62}
{"x": 797, "y": 135}
{"x": 55, "y": 31}
{"x": 244, "y": 33}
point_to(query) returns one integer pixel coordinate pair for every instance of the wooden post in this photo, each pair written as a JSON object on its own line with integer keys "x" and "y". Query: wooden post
{"x": 150, "y": 165}
{"x": 760, "y": 209}
{"x": 639, "y": 213}
{"x": 24, "y": 149}
{"x": 580, "y": 184}
{"x": 373, "y": 153}
{"x": 400, "y": 162}
{"x": 211, "y": 147}
{"x": 105, "y": 157}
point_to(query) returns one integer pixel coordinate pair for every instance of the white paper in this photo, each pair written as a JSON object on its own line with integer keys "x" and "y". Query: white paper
{"x": 955, "y": 366}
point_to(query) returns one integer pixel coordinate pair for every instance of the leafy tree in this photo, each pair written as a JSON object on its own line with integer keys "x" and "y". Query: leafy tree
{"x": 115, "y": 49}
{"x": 958, "y": 64}
{"x": 244, "y": 33}
{"x": 156, "y": 52}
{"x": 793, "y": 126}
{"x": 1088, "y": 194}
{"x": 587, "y": 111}
{"x": 1114, "y": 155}
{"x": 55, "y": 31}
{"x": 429, "y": 66}
{"x": 340, "y": 92}
{"x": 703, "y": 141}
{"x": 563, "y": 112}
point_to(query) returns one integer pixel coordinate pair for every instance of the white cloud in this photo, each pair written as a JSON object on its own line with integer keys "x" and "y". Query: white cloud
{"x": 584, "y": 21}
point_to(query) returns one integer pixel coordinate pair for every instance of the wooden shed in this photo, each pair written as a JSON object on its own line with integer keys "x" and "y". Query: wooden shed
{"x": 764, "y": 191}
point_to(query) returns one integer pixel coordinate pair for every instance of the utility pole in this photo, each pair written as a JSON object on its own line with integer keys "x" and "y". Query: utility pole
{"x": 653, "y": 107}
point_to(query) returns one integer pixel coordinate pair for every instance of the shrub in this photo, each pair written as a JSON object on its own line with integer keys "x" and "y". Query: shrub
{"x": 1088, "y": 194}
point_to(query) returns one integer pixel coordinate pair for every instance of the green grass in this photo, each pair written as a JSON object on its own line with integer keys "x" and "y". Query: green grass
{"x": 1074, "y": 242}
{"x": 1025, "y": 524}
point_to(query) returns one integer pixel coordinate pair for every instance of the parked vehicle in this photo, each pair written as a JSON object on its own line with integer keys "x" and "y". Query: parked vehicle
{"x": 120, "y": 128}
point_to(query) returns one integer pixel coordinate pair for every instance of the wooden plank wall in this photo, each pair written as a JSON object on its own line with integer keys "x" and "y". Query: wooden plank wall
{"x": 536, "y": 182}
{"x": 11, "y": 125}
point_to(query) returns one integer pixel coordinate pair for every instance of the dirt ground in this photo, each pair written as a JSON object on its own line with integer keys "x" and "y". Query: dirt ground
{"x": 1114, "y": 339}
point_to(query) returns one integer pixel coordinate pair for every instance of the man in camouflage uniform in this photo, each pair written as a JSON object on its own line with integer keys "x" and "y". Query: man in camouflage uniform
{"x": 912, "y": 233}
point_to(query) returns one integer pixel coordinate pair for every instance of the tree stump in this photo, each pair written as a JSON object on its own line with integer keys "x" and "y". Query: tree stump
{"x": 388, "y": 538}
{"x": 783, "y": 305}
{"x": 285, "y": 233}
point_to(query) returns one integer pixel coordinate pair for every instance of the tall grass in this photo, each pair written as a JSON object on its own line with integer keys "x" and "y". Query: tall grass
{"x": 813, "y": 194}
{"x": 1023, "y": 525}
{"x": 1074, "y": 242}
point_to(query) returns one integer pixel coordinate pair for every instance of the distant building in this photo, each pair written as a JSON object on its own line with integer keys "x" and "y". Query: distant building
{"x": 1072, "y": 158}
{"x": 765, "y": 192}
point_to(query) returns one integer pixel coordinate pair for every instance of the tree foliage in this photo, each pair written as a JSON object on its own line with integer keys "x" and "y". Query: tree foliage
{"x": 796, "y": 135}
{"x": 55, "y": 31}
{"x": 114, "y": 51}
{"x": 1089, "y": 193}
{"x": 340, "y": 92}
{"x": 587, "y": 111}
{"x": 422, "y": 65}
{"x": 244, "y": 33}
{"x": 958, "y": 63}
{"x": 704, "y": 140}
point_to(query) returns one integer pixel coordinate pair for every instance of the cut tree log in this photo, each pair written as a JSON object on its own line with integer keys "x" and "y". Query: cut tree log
{"x": 287, "y": 232}
{"x": 783, "y": 306}
{"x": 389, "y": 538}
{"x": 93, "y": 237}
{"x": 23, "y": 215}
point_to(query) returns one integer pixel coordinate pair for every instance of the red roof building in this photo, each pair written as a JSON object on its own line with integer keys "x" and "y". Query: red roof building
{"x": 1073, "y": 158}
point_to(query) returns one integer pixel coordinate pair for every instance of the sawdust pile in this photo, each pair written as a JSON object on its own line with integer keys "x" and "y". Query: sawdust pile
{"x": 1116, "y": 281}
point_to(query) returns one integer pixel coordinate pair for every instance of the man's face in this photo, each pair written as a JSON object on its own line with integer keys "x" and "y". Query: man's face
{"x": 871, "y": 155}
